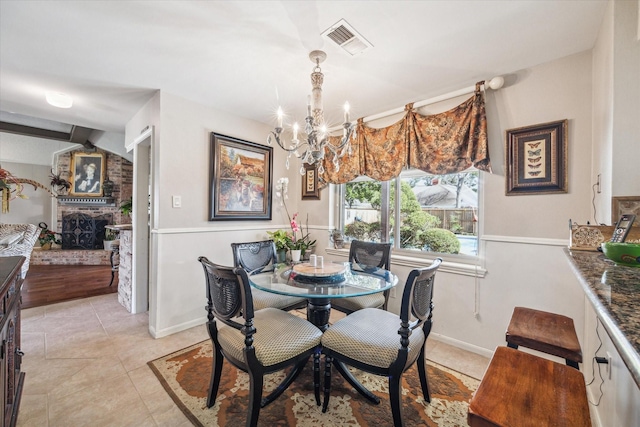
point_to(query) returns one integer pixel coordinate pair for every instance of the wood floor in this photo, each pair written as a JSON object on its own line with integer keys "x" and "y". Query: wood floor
{"x": 48, "y": 284}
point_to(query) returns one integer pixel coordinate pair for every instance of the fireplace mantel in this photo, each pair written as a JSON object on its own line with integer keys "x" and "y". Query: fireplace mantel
{"x": 86, "y": 201}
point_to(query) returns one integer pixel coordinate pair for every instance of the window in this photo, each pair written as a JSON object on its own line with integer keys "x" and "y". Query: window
{"x": 437, "y": 213}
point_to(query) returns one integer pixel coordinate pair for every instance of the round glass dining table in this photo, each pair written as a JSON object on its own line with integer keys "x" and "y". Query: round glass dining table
{"x": 319, "y": 287}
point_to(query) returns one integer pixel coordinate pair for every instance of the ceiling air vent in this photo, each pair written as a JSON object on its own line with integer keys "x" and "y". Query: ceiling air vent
{"x": 345, "y": 36}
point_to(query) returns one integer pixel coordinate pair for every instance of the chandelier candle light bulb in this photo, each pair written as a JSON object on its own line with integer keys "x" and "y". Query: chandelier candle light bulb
{"x": 280, "y": 114}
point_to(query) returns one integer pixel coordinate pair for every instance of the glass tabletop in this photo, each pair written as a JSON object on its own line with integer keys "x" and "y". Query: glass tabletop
{"x": 336, "y": 280}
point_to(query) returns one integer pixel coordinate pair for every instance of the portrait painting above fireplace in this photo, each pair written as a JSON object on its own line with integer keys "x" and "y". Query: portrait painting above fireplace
{"x": 87, "y": 174}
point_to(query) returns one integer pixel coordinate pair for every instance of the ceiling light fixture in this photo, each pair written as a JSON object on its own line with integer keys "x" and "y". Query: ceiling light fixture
{"x": 59, "y": 100}
{"x": 317, "y": 136}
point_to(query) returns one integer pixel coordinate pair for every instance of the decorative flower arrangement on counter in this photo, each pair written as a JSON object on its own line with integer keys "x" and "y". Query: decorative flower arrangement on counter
{"x": 304, "y": 242}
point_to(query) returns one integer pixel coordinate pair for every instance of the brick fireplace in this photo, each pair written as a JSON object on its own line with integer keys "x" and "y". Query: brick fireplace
{"x": 81, "y": 220}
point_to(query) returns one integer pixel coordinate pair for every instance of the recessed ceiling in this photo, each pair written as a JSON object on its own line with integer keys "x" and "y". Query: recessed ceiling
{"x": 248, "y": 57}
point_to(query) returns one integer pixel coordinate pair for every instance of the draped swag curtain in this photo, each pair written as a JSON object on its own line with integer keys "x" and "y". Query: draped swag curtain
{"x": 439, "y": 144}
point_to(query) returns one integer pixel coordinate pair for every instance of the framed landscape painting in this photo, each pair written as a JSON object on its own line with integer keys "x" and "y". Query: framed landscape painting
{"x": 240, "y": 179}
{"x": 87, "y": 174}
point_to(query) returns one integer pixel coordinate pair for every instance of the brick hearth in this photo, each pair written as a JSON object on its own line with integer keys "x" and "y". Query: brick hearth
{"x": 70, "y": 257}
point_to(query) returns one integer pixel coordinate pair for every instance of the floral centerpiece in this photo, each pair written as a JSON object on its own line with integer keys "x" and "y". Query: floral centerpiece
{"x": 47, "y": 237}
{"x": 301, "y": 243}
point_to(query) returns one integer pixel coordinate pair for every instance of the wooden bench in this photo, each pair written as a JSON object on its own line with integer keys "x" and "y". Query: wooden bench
{"x": 546, "y": 332}
{"x": 524, "y": 390}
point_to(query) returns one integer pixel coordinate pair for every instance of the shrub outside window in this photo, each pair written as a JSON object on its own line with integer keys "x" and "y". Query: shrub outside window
{"x": 437, "y": 213}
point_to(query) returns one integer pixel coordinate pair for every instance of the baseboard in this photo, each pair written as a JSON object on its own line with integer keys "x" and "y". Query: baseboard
{"x": 462, "y": 345}
{"x": 177, "y": 328}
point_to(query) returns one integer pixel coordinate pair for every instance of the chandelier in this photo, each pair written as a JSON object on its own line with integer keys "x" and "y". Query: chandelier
{"x": 312, "y": 147}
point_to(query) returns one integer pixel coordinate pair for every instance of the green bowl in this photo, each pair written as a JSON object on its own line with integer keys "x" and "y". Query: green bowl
{"x": 622, "y": 253}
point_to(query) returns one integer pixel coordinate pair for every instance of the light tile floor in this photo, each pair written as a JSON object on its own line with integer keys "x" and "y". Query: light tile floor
{"x": 86, "y": 364}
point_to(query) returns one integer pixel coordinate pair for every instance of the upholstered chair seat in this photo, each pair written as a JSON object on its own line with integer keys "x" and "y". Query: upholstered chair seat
{"x": 257, "y": 342}
{"x": 279, "y": 337}
{"x": 384, "y": 343}
{"x": 371, "y": 336}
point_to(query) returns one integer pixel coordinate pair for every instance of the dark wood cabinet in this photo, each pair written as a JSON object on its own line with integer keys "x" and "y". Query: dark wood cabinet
{"x": 10, "y": 354}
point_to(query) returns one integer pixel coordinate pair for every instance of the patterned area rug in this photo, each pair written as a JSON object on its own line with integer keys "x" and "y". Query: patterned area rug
{"x": 185, "y": 375}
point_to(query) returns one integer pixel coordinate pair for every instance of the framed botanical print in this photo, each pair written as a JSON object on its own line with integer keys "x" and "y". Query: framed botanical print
{"x": 240, "y": 179}
{"x": 536, "y": 159}
{"x": 310, "y": 188}
{"x": 87, "y": 174}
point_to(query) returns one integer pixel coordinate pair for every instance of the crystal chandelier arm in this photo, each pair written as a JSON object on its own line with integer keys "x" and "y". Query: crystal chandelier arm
{"x": 348, "y": 132}
{"x": 276, "y": 135}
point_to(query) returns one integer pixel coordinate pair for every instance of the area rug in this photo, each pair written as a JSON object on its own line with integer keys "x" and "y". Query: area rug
{"x": 185, "y": 376}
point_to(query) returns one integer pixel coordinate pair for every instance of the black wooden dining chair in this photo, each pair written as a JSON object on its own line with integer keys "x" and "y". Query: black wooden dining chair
{"x": 266, "y": 341}
{"x": 368, "y": 339}
{"x": 369, "y": 254}
{"x": 258, "y": 256}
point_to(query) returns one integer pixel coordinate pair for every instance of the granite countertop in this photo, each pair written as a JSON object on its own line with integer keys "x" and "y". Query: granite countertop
{"x": 615, "y": 293}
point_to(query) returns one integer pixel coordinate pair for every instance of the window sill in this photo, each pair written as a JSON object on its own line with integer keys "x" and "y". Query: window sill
{"x": 450, "y": 264}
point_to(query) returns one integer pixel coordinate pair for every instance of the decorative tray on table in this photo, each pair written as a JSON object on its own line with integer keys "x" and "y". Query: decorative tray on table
{"x": 330, "y": 273}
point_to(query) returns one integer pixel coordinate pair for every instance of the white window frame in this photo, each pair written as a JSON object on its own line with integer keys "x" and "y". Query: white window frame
{"x": 467, "y": 265}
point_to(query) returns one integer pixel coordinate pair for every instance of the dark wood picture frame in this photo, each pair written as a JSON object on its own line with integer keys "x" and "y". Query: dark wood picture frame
{"x": 310, "y": 189}
{"x": 625, "y": 205}
{"x": 87, "y": 174}
{"x": 240, "y": 179}
{"x": 536, "y": 159}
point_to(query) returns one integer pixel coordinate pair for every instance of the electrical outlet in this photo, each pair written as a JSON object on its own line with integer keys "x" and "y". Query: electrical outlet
{"x": 392, "y": 293}
{"x": 609, "y": 364}
{"x": 598, "y": 188}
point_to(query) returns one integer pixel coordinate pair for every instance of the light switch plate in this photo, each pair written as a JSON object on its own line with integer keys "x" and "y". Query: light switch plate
{"x": 176, "y": 201}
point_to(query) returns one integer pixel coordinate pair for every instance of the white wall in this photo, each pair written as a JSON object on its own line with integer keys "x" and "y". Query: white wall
{"x": 37, "y": 207}
{"x": 181, "y": 153}
{"x": 602, "y": 127}
{"x": 523, "y": 236}
{"x": 25, "y": 149}
{"x": 40, "y": 151}
{"x": 626, "y": 100}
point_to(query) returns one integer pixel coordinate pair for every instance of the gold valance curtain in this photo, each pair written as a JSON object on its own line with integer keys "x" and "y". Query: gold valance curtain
{"x": 443, "y": 143}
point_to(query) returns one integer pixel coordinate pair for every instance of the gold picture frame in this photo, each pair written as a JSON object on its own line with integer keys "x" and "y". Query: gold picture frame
{"x": 87, "y": 174}
{"x": 625, "y": 205}
{"x": 536, "y": 159}
{"x": 310, "y": 188}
